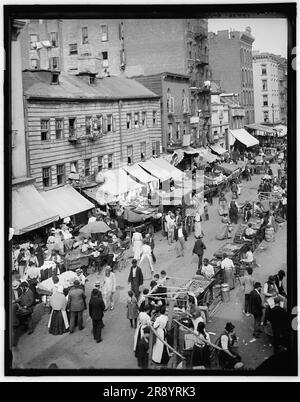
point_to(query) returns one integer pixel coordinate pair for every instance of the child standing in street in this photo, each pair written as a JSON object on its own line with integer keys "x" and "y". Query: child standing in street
{"x": 132, "y": 309}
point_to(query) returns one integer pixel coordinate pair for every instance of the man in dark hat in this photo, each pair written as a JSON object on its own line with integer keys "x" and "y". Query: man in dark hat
{"x": 228, "y": 357}
{"x": 76, "y": 305}
{"x": 280, "y": 325}
{"x": 96, "y": 311}
{"x": 198, "y": 249}
{"x": 256, "y": 308}
{"x": 135, "y": 278}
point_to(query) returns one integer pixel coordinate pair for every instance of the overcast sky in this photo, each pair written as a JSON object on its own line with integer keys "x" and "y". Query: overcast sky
{"x": 270, "y": 33}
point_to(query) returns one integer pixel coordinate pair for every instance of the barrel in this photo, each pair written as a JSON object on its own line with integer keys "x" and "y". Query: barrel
{"x": 270, "y": 234}
{"x": 225, "y": 292}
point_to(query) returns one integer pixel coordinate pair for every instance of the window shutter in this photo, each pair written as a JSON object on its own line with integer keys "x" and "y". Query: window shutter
{"x": 114, "y": 124}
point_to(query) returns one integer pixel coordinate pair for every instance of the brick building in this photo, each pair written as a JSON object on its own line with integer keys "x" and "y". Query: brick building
{"x": 270, "y": 88}
{"x": 174, "y": 90}
{"x": 129, "y": 47}
{"x": 230, "y": 56}
{"x": 80, "y": 125}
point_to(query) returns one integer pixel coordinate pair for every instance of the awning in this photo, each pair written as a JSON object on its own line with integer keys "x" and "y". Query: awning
{"x": 281, "y": 130}
{"x": 218, "y": 149}
{"x": 261, "y": 128}
{"x": 66, "y": 201}
{"x": 178, "y": 155}
{"x": 228, "y": 168}
{"x": 164, "y": 165}
{"x": 136, "y": 172}
{"x": 244, "y": 137}
{"x": 118, "y": 182}
{"x": 155, "y": 170}
{"x": 30, "y": 210}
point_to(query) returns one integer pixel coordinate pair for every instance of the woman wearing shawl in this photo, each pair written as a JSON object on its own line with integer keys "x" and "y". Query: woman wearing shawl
{"x": 160, "y": 354}
{"x": 137, "y": 243}
{"x": 58, "y": 321}
{"x": 144, "y": 321}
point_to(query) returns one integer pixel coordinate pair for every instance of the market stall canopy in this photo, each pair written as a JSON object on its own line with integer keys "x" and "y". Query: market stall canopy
{"x": 30, "y": 210}
{"x": 164, "y": 165}
{"x": 178, "y": 155}
{"x": 281, "y": 130}
{"x": 218, "y": 149}
{"x": 156, "y": 170}
{"x": 134, "y": 215}
{"x": 227, "y": 168}
{"x": 117, "y": 182}
{"x": 66, "y": 201}
{"x": 95, "y": 227}
{"x": 140, "y": 174}
{"x": 244, "y": 137}
{"x": 262, "y": 130}
{"x": 210, "y": 158}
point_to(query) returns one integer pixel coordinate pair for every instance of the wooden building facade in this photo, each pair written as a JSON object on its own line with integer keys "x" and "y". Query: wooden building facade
{"x": 80, "y": 125}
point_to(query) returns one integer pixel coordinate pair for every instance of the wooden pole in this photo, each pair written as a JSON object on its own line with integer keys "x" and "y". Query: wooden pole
{"x": 166, "y": 344}
{"x": 192, "y": 332}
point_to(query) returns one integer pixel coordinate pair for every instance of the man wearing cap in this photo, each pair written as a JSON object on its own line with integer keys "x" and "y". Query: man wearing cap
{"x": 26, "y": 301}
{"x": 135, "y": 278}
{"x": 109, "y": 288}
{"x": 256, "y": 308}
{"x": 227, "y": 356}
{"x": 76, "y": 305}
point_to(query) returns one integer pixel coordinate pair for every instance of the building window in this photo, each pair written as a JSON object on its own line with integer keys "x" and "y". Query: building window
{"x": 105, "y": 59}
{"x": 73, "y": 48}
{"x": 104, "y": 33}
{"x": 59, "y": 128}
{"x": 144, "y": 119}
{"x": 46, "y": 177}
{"x": 54, "y": 39}
{"x": 60, "y": 174}
{"x": 55, "y": 78}
{"x": 263, "y": 69}
{"x": 266, "y": 116}
{"x": 100, "y": 163}
{"x": 87, "y": 167}
{"x": 154, "y": 117}
{"x": 109, "y": 123}
{"x": 178, "y": 131}
{"x": 74, "y": 167}
{"x": 45, "y": 130}
{"x": 98, "y": 124}
{"x": 143, "y": 151}
{"x": 130, "y": 154}
{"x": 72, "y": 127}
{"x": 264, "y": 85}
{"x": 110, "y": 164}
{"x": 85, "y": 35}
{"x": 155, "y": 148}
{"x": 136, "y": 120}
{"x": 128, "y": 121}
{"x": 34, "y": 64}
{"x": 54, "y": 63}
{"x": 88, "y": 125}
{"x": 265, "y": 100}
{"x": 33, "y": 40}
{"x": 170, "y": 131}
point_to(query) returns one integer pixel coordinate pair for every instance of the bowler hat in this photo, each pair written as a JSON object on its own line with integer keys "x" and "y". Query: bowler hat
{"x": 229, "y": 327}
{"x": 257, "y": 285}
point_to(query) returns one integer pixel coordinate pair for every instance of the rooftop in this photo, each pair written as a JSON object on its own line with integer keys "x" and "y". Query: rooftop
{"x": 37, "y": 84}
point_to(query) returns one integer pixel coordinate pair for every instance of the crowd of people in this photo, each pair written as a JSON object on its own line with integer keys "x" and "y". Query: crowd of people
{"x": 147, "y": 299}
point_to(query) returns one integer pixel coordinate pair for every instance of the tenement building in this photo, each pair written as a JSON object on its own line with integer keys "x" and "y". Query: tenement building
{"x": 230, "y": 55}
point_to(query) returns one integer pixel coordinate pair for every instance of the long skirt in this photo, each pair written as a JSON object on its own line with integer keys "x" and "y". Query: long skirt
{"x": 58, "y": 322}
{"x": 223, "y": 208}
{"x": 146, "y": 267}
{"x": 137, "y": 249}
{"x": 160, "y": 354}
{"x": 223, "y": 233}
{"x": 198, "y": 229}
{"x": 229, "y": 278}
{"x": 201, "y": 356}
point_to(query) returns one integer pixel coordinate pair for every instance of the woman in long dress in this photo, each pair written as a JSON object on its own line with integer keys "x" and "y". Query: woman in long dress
{"x": 201, "y": 350}
{"x": 137, "y": 243}
{"x": 159, "y": 353}
{"x": 144, "y": 321}
{"x": 198, "y": 226}
{"x": 223, "y": 205}
{"x": 58, "y": 321}
{"x": 146, "y": 261}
